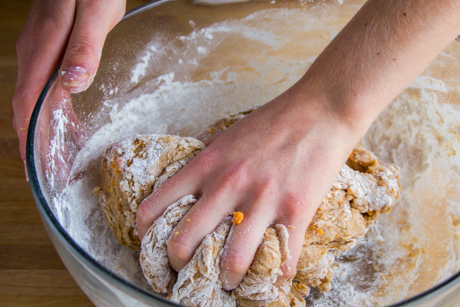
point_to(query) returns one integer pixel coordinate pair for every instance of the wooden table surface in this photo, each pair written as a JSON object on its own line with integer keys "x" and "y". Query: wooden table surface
{"x": 31, "y": 272}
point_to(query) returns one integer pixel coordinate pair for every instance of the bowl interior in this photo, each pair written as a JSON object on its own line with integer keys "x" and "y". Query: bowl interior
{"x": 174, "y": 67}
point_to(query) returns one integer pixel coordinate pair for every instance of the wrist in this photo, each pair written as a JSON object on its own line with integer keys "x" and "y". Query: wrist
{"x": 335, "y": 110}
{"x": 310, "y": 118}
{"x": 376, "y": 56}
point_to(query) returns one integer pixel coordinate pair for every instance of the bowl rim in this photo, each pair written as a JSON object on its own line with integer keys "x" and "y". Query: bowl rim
{"x": 88, "y": 260}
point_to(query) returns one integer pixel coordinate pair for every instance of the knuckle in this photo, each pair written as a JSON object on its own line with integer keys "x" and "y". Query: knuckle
{"x": 237, "y": 176}
{"x": 180, "y": 246}
{"x": 114, "y": 9}
{"x": 144, "y": 215}
{"x": 205, "y": 159}
{"x": 26, "y": 39}
{"x": 267, "y": 189}
{"x": 82, "y": 45}
{"x": 294, "y": 203}
{"x": 293, "y": 208}
{"x": 234, "y": 263}
{"x": 227, "y": 176}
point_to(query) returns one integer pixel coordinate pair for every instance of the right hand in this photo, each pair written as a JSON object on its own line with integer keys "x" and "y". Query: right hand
{"x": 68, "y": 31}
{"x": 275, "y": 166}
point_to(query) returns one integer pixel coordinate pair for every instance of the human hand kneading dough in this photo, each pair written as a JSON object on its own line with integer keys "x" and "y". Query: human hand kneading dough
{"x": 276, "y": 165}
{"x": 259, "y": 170}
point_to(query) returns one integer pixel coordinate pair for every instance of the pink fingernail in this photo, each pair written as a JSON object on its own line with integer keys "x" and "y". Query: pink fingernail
{"x": 76, "y": 78}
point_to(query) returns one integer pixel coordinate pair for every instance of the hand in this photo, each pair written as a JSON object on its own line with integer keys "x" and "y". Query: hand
{"x": 275, "y": 166}
{"x": 71, "y": 31}
{"x": 277, "y": 163}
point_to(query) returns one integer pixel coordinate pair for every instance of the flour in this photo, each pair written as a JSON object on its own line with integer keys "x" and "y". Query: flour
{"x": 410, "y": 250}
{"x": 140, "y": 69}
{"x": 394, "y": 260}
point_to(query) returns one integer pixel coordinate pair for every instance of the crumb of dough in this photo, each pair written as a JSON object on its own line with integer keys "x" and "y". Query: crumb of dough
{"x": 237, "y": 218}
{"x": 364, "y": 189}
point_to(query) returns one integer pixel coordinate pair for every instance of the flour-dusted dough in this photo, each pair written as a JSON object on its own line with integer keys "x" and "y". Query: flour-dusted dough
{"x": 154, "y": 252}
{"x": 364, "y": 188}
{"x": 198, "y": 282}
{"x": 131, "y": 169}
{"x": 353, "y": 203}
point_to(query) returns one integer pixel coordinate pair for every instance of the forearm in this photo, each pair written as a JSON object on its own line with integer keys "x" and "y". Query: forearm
{"x": 383, "y": 48}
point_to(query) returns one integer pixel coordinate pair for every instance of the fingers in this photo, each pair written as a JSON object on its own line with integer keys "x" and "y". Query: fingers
{"x": 39, "y": 48}
{"x": 43, "y": 41}
{"x": 181, "y": 184}
{"x": 295, "y": 240}
{"x": 219, "y": 195}
{"x": 243, "y": 242}
{"x": 201, "y": 220}
{"x": 296, "y": 217}
{"x": 93, "y": 21}
{"x": 245, "y": 239}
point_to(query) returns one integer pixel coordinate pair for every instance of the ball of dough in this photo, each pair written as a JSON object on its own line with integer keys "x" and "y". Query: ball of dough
{"x": 136, "y": 166}
{"x": 131, "y": 170}
{"x": 354, "y": 202}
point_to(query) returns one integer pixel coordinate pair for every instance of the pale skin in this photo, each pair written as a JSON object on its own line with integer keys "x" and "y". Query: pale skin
{"x": 278, "y": 163}
{"x": 71, "y": 32}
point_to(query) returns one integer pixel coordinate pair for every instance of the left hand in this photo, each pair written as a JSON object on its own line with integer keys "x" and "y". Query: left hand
{"x": 68, "y": 31}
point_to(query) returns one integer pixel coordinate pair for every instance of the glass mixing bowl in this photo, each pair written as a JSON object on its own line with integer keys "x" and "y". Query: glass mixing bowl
{"x": 184, "y": 65}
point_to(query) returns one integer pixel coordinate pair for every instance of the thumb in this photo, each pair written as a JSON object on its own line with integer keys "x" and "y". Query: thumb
{"x": 93, "y": 21}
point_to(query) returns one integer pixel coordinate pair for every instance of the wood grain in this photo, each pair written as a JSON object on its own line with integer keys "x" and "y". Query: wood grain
{"x": 31, "y": 272}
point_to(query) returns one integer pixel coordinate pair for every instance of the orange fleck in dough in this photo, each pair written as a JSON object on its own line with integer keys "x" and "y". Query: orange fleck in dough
{"x": 237, "y": 217}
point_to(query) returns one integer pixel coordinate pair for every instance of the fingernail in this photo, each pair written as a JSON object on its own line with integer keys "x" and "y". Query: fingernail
{"x": 76, "y": 78}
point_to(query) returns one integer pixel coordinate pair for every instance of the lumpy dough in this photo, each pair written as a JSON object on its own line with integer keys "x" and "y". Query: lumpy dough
{"x": 131, "y": 169}
{"x": 134, "y": 167}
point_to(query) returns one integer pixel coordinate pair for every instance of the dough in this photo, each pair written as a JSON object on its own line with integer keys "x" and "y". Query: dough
{"x": 134, "y": 167}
